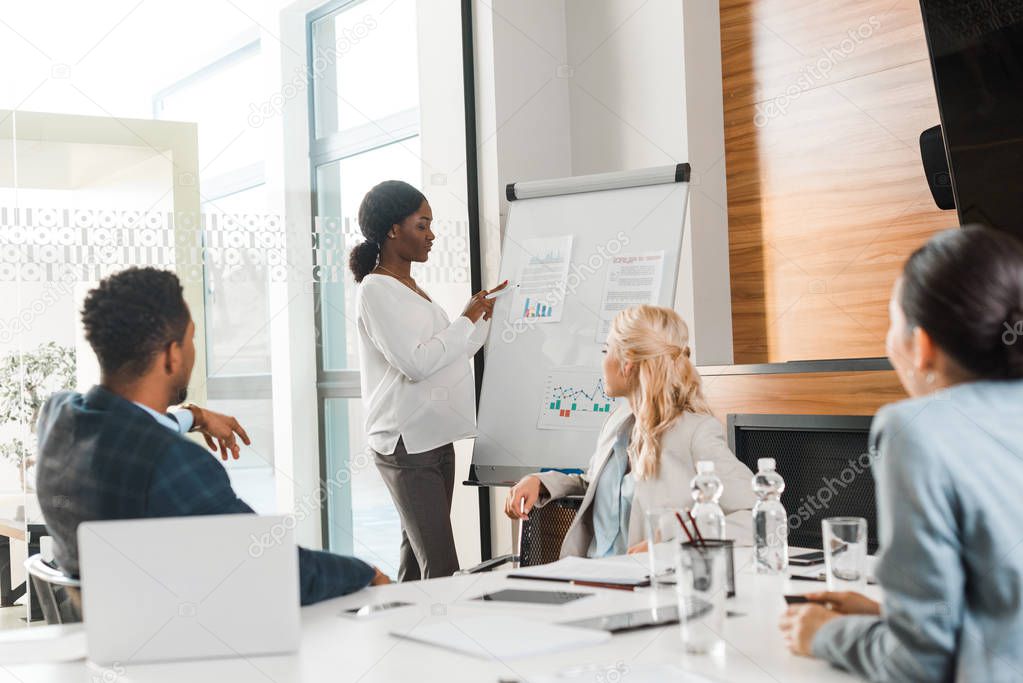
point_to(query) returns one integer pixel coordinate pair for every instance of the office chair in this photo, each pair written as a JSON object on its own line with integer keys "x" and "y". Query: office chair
{"x": 58, "y": 595}
{"x": 540, "y": 536}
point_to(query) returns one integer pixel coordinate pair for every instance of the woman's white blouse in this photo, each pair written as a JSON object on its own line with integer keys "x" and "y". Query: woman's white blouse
{"x": 417, "y": 382}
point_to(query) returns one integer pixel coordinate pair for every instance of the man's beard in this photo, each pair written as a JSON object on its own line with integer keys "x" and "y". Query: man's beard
{"x": 181, "y": 395}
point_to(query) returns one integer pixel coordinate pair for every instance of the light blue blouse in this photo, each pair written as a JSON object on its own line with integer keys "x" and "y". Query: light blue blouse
{"x": 949, "y": 471}
{"x": 612, "y": 501}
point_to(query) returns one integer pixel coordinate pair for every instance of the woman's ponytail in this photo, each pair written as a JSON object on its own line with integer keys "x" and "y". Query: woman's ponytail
{"x": 656, "y": 341}
{"x": 363, "y": 259}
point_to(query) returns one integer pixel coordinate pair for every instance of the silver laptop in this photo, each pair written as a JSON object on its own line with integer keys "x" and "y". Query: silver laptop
{"x": 189, "y": 587}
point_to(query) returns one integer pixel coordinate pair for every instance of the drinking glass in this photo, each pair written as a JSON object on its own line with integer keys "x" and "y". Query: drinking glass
{"x": 845, "y": 552}
{"x": 702, "y": 584}
{"x": 662, "y": 534}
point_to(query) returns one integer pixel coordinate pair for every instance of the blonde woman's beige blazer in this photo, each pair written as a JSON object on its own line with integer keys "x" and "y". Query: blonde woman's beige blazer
{"x": 692, "y": 437}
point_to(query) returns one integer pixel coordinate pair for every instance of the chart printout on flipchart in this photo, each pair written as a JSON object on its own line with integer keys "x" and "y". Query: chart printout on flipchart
{"x": 611, "y": 249}
{"x": 632, "y": 280}
{"x": 541, "y": 280}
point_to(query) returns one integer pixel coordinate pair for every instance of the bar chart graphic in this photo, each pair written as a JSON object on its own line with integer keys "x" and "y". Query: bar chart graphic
{"x": 551, "y": 256}
{"x": 574, "y": 399}
{"x": 535, "y": 309}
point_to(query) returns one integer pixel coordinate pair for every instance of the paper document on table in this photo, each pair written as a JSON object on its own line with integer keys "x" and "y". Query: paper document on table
{"x": 626, "y": 572}
{"x": 818, "y": 571}
{"x": 633, "y": 673}
{"x": 54, "y": 643}
{"x": 502, "y": 637}
{"x": 631, "y": 280}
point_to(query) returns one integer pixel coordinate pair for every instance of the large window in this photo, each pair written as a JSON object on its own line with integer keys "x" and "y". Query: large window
{"x": 126, "y": 139}
{"x": 219, "y": 97}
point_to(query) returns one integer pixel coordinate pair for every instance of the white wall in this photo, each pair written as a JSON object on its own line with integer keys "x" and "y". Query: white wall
{"x": 523, "y": 115}
{"x": 626, "y": 90}
{"x": 708, "y": 301}
{"x": 646, "y": 91}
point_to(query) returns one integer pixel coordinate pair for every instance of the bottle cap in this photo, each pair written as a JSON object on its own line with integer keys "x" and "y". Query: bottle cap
{"x": 765, "y": 463}
{"x": 704, "y": 467}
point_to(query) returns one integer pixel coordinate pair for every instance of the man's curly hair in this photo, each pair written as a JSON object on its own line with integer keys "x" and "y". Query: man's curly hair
{"x": 131, "y": 316}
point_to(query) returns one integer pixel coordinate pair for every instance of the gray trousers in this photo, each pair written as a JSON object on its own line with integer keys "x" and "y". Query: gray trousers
{"x": 421, "y": 486}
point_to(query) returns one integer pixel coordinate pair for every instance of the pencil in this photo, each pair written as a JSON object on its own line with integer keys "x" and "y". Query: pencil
{"x": 685, "y": 528}
{"x": 698, "y": 534}
{"x": 599, "y": 584}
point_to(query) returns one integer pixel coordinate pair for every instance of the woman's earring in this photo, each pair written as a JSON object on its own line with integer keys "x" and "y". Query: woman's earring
{"x": 929, "y": 378}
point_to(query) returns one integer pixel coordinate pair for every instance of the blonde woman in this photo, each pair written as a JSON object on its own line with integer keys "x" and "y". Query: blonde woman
{"x": 647, "y": 450}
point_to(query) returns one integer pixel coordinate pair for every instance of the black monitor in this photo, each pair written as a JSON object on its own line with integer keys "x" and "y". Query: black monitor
{"x": 825, "y": 462}
{"x": 976, "y": 50}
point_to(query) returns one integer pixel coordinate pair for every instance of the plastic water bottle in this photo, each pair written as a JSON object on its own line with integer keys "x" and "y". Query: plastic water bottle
{"x": 770, "y": 524}
{"x": 706, "y": 490}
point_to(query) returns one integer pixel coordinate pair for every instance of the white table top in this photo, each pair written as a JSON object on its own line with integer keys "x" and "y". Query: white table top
{"x": 341, "y": 648}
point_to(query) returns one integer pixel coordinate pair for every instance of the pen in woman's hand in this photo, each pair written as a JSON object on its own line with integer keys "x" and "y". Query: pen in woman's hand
{"x": 499, "y": 291}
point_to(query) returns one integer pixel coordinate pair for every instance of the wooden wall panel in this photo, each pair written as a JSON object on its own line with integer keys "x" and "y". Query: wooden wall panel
{"x": 824, "y": 102}
{"x": 824, "y": 393}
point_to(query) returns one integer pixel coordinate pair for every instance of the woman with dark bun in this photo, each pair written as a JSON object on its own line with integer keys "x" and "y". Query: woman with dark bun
{"x": 948, "y": 465}
{"x": 417, "y": 384}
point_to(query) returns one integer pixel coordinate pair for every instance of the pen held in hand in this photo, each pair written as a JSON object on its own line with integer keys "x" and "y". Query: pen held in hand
{"x": 500, "y": 292}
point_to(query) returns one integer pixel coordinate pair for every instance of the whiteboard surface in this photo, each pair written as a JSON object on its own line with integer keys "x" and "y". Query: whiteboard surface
{"x": 522, "y": 355}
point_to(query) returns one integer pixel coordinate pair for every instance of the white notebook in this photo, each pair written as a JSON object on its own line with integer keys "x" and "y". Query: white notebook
{"x": 502, "y": 637}
{"x": 627, "y": 572}
{"x": 633, "y": 673}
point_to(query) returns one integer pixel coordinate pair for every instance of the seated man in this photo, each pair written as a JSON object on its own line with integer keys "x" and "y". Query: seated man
{"x": 114, "y": 453}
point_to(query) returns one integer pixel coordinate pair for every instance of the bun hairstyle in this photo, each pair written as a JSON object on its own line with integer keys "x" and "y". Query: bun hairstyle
{"x": 964, "y": 287}
{"x": 656, "y": 341}
{"x": 387, "y": 204}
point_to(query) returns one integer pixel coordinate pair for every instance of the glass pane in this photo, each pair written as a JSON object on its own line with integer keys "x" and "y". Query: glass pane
{"x": 355, "y": 51}
{"x": 252, "y": 474}
{"x": 340, "y": 187}
{"x": 92, "y": 209}
{"x": 76, "y": 204}
{"x": 361, "y": 518}
{"x": 255, "y": 415}
{"x": 237, "y": 294}
{"x": 220, "y": 99}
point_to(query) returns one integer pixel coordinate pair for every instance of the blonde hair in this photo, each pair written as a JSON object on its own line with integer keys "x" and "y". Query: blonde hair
{"x": 656, "y": 341}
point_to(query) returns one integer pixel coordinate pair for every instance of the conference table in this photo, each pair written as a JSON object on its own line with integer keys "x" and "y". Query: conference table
{"x": 339, "y": 647}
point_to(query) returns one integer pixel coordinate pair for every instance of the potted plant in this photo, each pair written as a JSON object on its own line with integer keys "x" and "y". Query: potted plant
{"x": 26, "y": 381}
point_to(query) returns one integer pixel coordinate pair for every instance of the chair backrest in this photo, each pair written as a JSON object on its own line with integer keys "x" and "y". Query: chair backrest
{"x": 59, "y": 595}
{"x": 825, "y": 462}
{"x": 542, "y": 534}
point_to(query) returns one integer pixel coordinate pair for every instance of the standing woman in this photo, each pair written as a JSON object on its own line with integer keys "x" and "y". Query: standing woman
{"x": 417, "y": 385}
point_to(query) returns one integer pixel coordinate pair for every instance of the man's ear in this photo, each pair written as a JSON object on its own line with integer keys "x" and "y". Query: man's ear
{"x": 925, "y": 351}
{"x": 173, "y": 357}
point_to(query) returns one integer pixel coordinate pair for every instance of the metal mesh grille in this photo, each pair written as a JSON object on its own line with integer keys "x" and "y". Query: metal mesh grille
{"x": 827, "y": 474}
{"x": 544, "y": 531}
